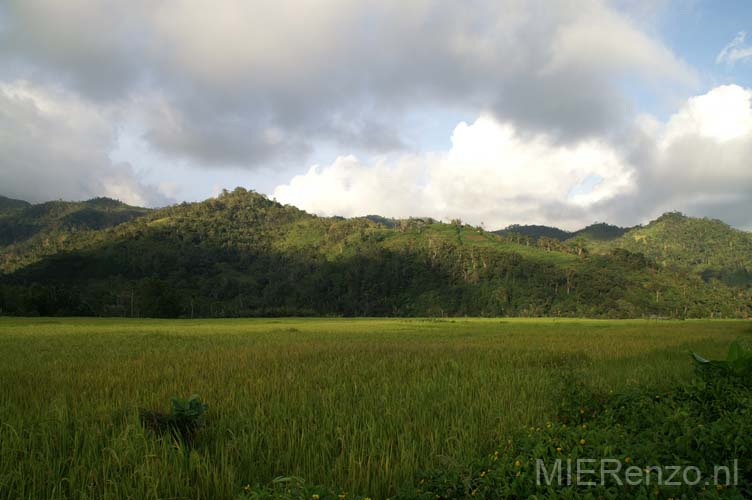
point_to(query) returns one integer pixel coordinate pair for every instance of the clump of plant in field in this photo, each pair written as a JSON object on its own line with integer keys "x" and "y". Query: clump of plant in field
{"x": 697, "y": 429}
{"x": 738, "y": 364}
{"x": 188, "y": 415}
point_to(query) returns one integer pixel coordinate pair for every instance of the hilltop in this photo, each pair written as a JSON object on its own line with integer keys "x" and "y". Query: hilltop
{"x": 29, "y": 232}
{"x": 599, "y": 231}
{"x": 243, "y": 254}
{"x": 9, "y": 204}
{"x": 708, "y": 247}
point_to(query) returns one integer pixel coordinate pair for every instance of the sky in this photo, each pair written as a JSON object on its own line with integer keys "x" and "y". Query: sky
{"x": 497, "y": 112}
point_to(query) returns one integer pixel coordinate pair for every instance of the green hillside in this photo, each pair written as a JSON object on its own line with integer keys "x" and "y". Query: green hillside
{"x": 535, "y": 231}
{"x": 11, "y": 205}
{"x": 707, "y": 247}
{"x": 243, "y": 254}
{"x": 31, "y": 232}
{"x": 599, "y": 231}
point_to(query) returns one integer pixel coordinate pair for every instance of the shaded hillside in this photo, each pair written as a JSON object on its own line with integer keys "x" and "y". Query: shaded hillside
{"x": 243, "y": 254}
{"x": 600, "y": 231}
{"x": 30, "y": 232}
{"x": 9, "y": 204}
{"x": 534, "y": 231}
{"x": 595, "y": 232}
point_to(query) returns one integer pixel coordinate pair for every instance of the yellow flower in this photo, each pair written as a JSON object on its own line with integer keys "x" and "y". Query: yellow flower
{"x": 584, "y": 426}
{"x": 628, "y": 459}
{"x": 558, "y": 450}
{"x": 247, "y": 487}
{"x": 517, "y": 463}
{"x": 518, "y": 474}
{"x": 315, "y": 496}
{"x": 582, "y": 442}
{"x": 483, "y": 474}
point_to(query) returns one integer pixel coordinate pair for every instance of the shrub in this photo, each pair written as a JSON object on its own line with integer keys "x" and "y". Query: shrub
{"x": 186, "y": 418}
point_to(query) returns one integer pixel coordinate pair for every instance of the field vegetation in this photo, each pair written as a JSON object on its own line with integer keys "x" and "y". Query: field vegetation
{"x": 360, "y": 407}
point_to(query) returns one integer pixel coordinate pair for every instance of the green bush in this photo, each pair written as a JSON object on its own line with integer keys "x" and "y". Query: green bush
{"x": 738, "y": 364}
{"x": 186, "y": 418}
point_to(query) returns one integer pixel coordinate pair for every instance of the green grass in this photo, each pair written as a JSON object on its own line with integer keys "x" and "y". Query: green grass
{"x": 361, "y": 404}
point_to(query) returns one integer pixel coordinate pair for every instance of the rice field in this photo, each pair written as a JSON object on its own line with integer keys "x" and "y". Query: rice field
{"x": 357, "y": 404}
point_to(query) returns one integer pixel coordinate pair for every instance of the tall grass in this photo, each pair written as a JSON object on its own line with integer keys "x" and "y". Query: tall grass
{"x": 358, "y": 404}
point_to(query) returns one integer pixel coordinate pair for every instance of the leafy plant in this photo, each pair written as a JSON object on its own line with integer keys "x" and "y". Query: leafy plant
{"x": 186, "y": 418}
{"x": 738, "y": 363}
{"x": 191, "y": 408}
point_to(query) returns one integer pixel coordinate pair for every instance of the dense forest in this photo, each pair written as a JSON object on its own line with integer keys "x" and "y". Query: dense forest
{"x": 242, "y": 254}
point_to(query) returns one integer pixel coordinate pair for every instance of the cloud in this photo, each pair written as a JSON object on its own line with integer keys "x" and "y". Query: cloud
{"x": 722, "y": 115}
{"x": 491, "y": 174}
{"x": 254, "y": 84}
{"x": 735, "y": 50}
{"x": 57, "y": 146}
{"x": 697, "y": 161}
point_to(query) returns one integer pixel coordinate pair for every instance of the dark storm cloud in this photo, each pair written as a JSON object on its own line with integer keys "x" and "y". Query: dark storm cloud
{"x": 55, "y": 145}
{"x": 253, "y": 83}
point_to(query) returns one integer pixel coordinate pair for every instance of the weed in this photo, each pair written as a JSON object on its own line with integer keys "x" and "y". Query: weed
{"x": 186, "y": 418}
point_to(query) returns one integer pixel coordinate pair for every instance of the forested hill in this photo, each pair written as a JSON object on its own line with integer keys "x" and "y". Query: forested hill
{"x": 599, "y": 231}
{"x": 707, "y": 247}
{"x": 29, "y": 232}
{"x": 8, "y": 204}
{"x": 242, "y": 254}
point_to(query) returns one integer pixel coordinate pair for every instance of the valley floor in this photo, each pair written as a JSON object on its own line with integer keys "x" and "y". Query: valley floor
{"x": 359, "y": 404}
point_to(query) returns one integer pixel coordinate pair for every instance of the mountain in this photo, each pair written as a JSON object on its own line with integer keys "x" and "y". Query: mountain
{"x": 707, "y": 247}
{"x": 595, "y": 232}
{"x": 241, "y": 254}
{"x": 535, "y": 232}
{"x": 10, "y": 205}
{"x": 30, "y": 232}
{"x": 600, "y": 231}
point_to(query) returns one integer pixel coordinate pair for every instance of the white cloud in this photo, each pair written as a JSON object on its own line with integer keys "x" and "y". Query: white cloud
{"x": 697, "y": 161}
{"x": 56, "y": 145}
{"x": 723, "y": 114}
{"x": 735, "y": 50}
{"x": 491, "y": 174}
